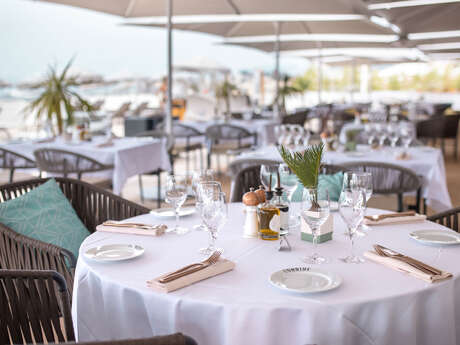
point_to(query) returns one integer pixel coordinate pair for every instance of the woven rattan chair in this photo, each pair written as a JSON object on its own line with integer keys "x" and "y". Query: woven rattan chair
{"x": 447, "y": 218}
{"x": 390, "y": 179}
{"x": 228, "y": 139}
{"x": 245, "y": 179}
{"x": 12, "y": 161}
{"x": 66, "y": 162}
{"x": 298, "y": 118}
{"x": 157, "y": 134}
{"x": 329, "y": 169}
{"x": 172, "y": 339}
{"x": 93, "y": 206}
{"x": 34, "y": 307}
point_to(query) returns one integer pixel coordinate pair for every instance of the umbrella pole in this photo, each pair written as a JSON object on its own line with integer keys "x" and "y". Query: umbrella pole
{"x": 168, "y": 122}
{"x": 277, "y": 70}
{"x": 320, "y": 74}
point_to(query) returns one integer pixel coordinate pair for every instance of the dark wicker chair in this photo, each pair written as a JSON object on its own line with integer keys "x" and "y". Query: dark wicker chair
{"x": 67, "y": 162}
{"x": 157, "y": 134}
{"x": 172, "y": 339}
{"x": 390, "y": 179}
{"x": 329, "y": 169}
{"x": 228, "y": 139}
{"x": 32, "y": 306}
{"x": 447, "y": 218}
{"x": 245, "y": 179}
{"x": 187, "y": 134}
{"x": 439, "y": 127}
{"x": 93, "y": 206}
{"x": 12, "y": 161}
{"x": 298, "y": 118}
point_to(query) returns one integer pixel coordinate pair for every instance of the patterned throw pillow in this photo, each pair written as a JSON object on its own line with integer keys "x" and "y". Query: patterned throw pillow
{"x": 45, "y": 214}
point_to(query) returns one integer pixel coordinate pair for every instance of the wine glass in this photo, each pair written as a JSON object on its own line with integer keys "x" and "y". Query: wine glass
{"x": 393, "y": 134}
{"x": 267, "y": 171}
{"x": 315, "y": 212}
{"x": 176, "y": 194}
{"x": 352, "y": 205}
{"x": 369, "y": 129}
{"x": 197, "y": 178}
{"x": 214, "y": 213}
{"x": 382, "y": 135}
{"x": 289, "y": 182}
{"x": 363, "y": 181}
{"x": 407, "y": 135}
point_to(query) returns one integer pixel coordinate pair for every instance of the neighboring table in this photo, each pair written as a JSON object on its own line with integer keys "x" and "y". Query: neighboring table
{"x": 424, "y": 161}
{"x": 130, "y": 156}
{"x": 374, "y": 305}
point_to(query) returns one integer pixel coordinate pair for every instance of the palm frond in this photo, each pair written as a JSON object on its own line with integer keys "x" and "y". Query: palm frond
{"x": 305, "y": 165}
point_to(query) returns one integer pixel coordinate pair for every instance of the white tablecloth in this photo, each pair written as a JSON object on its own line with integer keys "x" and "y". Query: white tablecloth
{"x": 424, "y": 161}
{"x": 374, "y": 305}
{"x": 130, "y": 156}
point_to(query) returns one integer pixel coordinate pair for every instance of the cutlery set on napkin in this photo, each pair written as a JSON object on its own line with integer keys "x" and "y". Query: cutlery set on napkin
{"x": 132, "y": 228}
{"x": 190, "y": 274}
{"x": 394, "y": 218}
{"x": 406, "y": 264}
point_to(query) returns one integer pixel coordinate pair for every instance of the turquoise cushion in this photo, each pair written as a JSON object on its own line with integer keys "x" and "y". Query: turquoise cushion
{"x": 45, "y": 214}
{"x": 333, "y": 183}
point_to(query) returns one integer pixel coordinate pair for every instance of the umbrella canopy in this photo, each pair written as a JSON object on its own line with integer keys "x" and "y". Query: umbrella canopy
{"x": 418, "y": 17}
{"x": 347, "y": 60}
{"x": 255, "y": 25}
{"x": 146, "y": 8}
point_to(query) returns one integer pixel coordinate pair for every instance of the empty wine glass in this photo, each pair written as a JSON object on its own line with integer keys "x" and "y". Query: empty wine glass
{"x": 315, "y": 212}
{"x": 407, "y": 135}
{"x": 363, "y": 181}
{"x": 352, "y": 205}
{"x": 393, "y": 132}
{"x": 382, "y": 134}
{"x": 265, "y": 172}
{"x": 369, "y": 129}
{"x": 289, "y": 182}
{"x": 197, "y": 178}
{"x": 214, "y": 212}
{"x": 176, "y": 194}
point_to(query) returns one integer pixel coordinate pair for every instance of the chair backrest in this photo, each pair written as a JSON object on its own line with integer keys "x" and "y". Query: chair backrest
{"x": 66, "y": 162}
{"x": 448, "y": 218}
{"x": 226, "y": 132}
{"x": 431, "y": 128}
{"x": 180, "y": 130}
{"x": 450, "y": 128}
{"x": 329, "y": 169}
{"x": 245, "y": 179}
{"x": 298, "y": 118}
{"x": 387, "y": 178}
{"x": 171, "y": 339}
{"x": 13, "y": 160}
{"x": 32, "y": 305}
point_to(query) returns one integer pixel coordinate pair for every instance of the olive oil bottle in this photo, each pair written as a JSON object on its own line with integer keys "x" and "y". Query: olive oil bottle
{"x": 269, "y": 218}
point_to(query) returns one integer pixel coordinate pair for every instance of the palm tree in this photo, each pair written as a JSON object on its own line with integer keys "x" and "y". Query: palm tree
{"x": 58, "y": 95}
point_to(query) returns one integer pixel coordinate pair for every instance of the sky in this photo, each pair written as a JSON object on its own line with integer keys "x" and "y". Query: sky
{"x": 35, "y": 34}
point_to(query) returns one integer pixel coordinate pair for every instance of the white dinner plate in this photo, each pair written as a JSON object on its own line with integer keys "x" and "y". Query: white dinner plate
{"x": 114, "y": 252}
{"x": 436, "y": 236}
{"x": 169, "y": 212}
{"x": 305, "y": 280}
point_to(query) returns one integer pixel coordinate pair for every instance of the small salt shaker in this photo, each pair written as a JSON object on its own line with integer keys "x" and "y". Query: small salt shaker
{"x": 251, "y": 223}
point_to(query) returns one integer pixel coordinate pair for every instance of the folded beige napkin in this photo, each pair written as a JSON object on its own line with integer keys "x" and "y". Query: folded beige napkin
{"x": 221, "y": 266}
{"x": 133, "y": 228}
{"x": 406, "y": 268}
{"x": 106, "y": 143}
{"x": 394, "y": 218}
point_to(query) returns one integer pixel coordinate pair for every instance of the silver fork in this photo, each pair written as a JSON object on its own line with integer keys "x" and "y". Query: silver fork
{"x": 192, "y": 268}
{"x": 383, "y": 251}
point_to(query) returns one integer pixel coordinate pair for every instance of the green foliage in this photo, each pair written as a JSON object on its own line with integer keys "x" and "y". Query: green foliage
{"x": 224, "y": 91}
{"x": 305, "y": 165}
{"x": 58, "y": 95}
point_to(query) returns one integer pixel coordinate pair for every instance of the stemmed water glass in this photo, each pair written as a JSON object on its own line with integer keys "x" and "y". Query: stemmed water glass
{"x": 393, "y": 132}
{"x": 370, "y": 133}
{"x": 176, "y": 194}
{"x": 265, "y": 172}
{"x": 315, "y": 212}
{"x": 197, "y": 178}
{"x": 214, "y": 213}
{"x": 289, "y": 182}
{"x": 363, "y": 181}
{"x": 382, "y": 134}
{"x": 352, "y": 205}
{"x": 407, "y": 135}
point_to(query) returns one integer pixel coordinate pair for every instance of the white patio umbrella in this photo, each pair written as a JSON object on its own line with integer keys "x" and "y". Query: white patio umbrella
{"x": 145, "y": 8}
{"x": 271, "y": 28}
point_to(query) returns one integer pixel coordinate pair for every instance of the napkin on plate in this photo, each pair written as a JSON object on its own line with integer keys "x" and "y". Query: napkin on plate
{"x": 406, "y": 268}
{"x": 150, "y": 230}
{"x": 221, "y": 266}
{"x": 394, "y": 218}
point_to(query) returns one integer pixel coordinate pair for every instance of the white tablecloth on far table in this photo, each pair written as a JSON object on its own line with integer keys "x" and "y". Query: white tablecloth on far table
{"x": 424, "y": 161}
{"x": 130, "y": 156}
{"x": 375, "y": 305}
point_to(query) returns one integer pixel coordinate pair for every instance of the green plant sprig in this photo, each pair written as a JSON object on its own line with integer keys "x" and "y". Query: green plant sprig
{"x": 305, "y": 165}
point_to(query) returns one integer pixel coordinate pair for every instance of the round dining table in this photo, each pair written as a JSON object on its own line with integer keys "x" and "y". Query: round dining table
{"x": 374, "y": 304}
